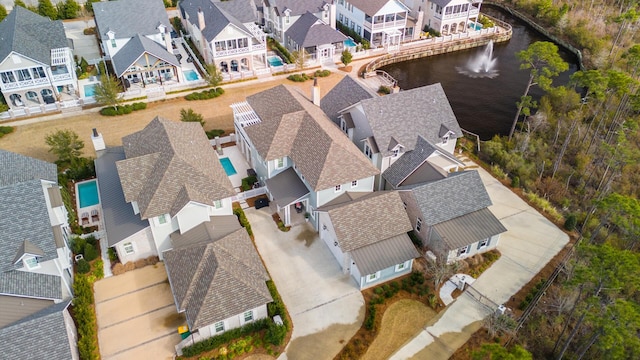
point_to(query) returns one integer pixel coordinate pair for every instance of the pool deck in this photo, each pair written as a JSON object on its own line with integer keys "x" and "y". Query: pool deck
{"x": 92, "y": 221}
{"x": 238, "y": 162}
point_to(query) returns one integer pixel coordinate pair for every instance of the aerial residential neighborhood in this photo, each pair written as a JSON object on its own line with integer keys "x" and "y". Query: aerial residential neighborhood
{"x": 266, "y": 179}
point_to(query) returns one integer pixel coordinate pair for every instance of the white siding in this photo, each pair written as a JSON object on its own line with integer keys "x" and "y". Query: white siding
{"x": 330, "y": 238}
{"x": 143, "y": 246}
{"x": 191, "y": 215}
{"x": 233, "y": 322}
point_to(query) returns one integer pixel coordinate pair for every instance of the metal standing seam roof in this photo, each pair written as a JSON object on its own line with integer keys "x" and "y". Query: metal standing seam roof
{"x": 403, "y": 115}
{"x": 119, "y": 220}
{"x": 30, "y": 284}
{"x": 298, "y": 7}
{"x": 369, "y": 219}
{"x": 321, "y": 152}
{"x": 31, "y": 35}
{"x": 43, "y": 335}
{"x": 345, "y": 93}
{"x": 371, "y": 7}
{"x": 469, "y": 228}
{"x": 136, "y": 48}
{"x": 310, "y": 31}
{"x": 286, "y": 187}
{"x": 215, "y": 18}
{"x": 216, "y": 279}
{"x": 128, "y": 18}
{"x": 167, "y": 165}
{"x": 383, "y": 254}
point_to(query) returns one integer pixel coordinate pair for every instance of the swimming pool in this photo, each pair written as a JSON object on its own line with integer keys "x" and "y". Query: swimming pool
{"x": 89, "y": 90}
{"x": 275, "y": 61}
{"x": 228, "y": 166}
{"x": 87, "y": 192}
{"x": 191, "y": 75}
{"x": 475, "y": 26}
{"x": 350, "y": 43}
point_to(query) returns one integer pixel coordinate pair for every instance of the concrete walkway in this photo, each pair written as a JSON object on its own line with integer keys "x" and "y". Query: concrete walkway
{"x": 451, "y": 285}
{"x": 530, "y": 242}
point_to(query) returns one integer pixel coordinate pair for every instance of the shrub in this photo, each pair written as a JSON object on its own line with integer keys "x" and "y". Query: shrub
{"x": 384, "y": 90}
{"x": 570, "y": 222}
{"x": 78, "y": 245}
{"x": 123, "y": 109}
{"x": 85, "y": 317}
{"x": 140, "y": 263}
{"x": 4, "y": 130}
{"x": 370, "y": 320}
{"x": 139, "y": 106}
{"x": 284, "y": 53}
{"x": 98, "y": 269}
{"x": 275, "y": 334}
{"x": 247, "y": 183}
{"x": 90, "y": 252}
{"x": 322, "y": 73}
{"x": 129, "y": 266}
{"x": 244, "y": 222}
{"x": 113, "y": 254}
{"x": 83, "y": 267}
{"x": 515, "y": 182}
{"x": 229, "y": 335}
{"x": 118, "y": 269}
{"x": 211, "y": 134}
{"x": 433, "y": 301}
{"x": 298, "y": 77}
{"x": 206, "y": 94}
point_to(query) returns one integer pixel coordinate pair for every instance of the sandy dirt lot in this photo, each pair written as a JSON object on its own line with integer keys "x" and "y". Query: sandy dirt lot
{"x": 29, "y": 139}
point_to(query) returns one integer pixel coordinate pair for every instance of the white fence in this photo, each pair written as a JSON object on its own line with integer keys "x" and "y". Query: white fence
{"x": 249, "y": 194}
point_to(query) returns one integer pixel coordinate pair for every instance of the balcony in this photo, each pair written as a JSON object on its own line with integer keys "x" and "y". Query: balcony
{"x": 25, "y": 84}
{"x": 398, "y": 24}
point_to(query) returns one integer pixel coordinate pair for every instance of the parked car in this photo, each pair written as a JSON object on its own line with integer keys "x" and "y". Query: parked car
{"x": 262, "y": 202}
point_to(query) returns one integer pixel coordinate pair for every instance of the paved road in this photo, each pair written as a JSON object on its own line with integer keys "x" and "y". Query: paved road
{"x": 529, "y": 244}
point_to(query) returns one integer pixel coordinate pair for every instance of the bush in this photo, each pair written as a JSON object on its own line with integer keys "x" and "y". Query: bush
{"x": 123, "y": 109}
{"x": 515, "y": 182}
{"x": 113, "y": 254}
{"x": 211, "y": 134}
{"x": 205, "y": 94}
{"x": 229, "y": 335}
{"x": 384, "y": 90}
{"x": 98, "y": 269}
{"x": 322, "y": 73}
{"x": 298, "y": 77}
{"x": 275, "y": 334}
{"x": 77, "y": 245}
{"x": 90, "y": 252}
{"x": 83, "y": 267}
{"x": 139, "y": 106}
{"x": 570, "y": 222}
{"x": 118, "y": 269}
{"x": 4, "y": 130}
{"x": 370, "y": 320}
{"x": 85, "y": 317}
{"x": 244, "y": 222}
{"x": 247, "y": 183}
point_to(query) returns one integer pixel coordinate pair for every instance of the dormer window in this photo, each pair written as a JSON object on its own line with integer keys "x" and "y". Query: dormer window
{"x": 31, "y": 262}
{"x": 368, "y": 151}
{"x": 162, "y": 219}
{"x": 113, "y": 43}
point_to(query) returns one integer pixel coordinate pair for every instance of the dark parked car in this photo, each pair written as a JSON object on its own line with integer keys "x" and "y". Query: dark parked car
{"x": 262, "y": 202}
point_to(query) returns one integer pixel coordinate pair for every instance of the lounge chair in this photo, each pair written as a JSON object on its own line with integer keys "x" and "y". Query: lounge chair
{"x": 85, "y": 218}
{"x": 94, "y": 216}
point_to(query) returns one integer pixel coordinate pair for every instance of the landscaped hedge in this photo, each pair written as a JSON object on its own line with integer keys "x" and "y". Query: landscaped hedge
{"x": 85, "y": 317}
{"x": 4, "y": 130}
{"x": 206, "y": 94}
{"x": 122, "y": 110}
{"x": 227, "y": 336}
{"x": 304, "y": 77}
{"x": 243, "y": 220}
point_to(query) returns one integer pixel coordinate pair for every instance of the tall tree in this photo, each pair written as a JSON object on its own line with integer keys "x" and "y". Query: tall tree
{"x": 108, "y": 91}
{"x": 46, "y": 9}
{"x": 70, "y": 9}
{"x": 299, "y": 58}
{"x": 544, "y": 63}
{"x": 213, "y": 76}
{"x": 66, "y": 145}
{"x": 346, "y": 57}
{"x": 497, "y": 352}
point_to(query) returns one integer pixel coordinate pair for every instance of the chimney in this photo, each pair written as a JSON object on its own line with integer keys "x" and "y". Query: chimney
{"x": 97, "y": 140}
{"x": 201, "y": 23}
{"x": 315, "y": 92}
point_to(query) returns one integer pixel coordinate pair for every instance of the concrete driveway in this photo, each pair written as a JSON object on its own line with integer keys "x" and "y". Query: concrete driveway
{"x": 530, "y": 242}
{"x": 137, "y": 318}
{"x": 325, "y": 305}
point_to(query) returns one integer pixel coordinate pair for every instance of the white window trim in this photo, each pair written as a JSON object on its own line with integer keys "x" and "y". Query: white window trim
{"x": 464, "y": 250}
{"x": 244, "y": 317}
{"x": 402, "y": 266}
{"x": 279, "y": 163}
{"x": 124, "y": 248}
{"x": 337, "y": 188}
{"x": 162, "y": 219}
{"x": 418, "y": 224}
{"x": 354, "y": 184}
{"x": 481, "y": 245}
{"x": 26, "y": 259}
{"x": 218, "y": 204}
{"x": 375, "y": 277}
{"x": 215, "y": 327}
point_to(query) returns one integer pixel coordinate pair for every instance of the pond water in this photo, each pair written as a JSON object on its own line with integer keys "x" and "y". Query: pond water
{"x": 483, "y": 105}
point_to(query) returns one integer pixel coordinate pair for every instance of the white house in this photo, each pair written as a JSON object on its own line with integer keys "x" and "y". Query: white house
{"x": 319, "y": 40}
{"x": 367, "y": 234}
{"x": 386, "y": 127}
{"x": 36, "y": 271}
{"x": 135, "y": 36}
{"x": 381, "y": 22}
{"x": 297, "y": 151}
{"x": 280, "y": 15}
{"x": 451, "y": 16}
{"x": 225, "y": 33}
{"x": 36, "y": 63}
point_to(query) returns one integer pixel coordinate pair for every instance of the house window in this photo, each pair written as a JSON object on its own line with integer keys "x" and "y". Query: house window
{"x": 113, "y": 43}
{"x": 218, "y": 204}
{"x": 280, "y": 163}
{"x": 343, "y": 125}
{"x": 286, "y": 19}
{"x": 354, "y": 183}
{"x": 402, "y": 266}
{"x": 340, "y": 17}
{"x": 359, "y": 29}
{"x": 463, "y": 250}
{"x": 368, "y": 151}
{"x": 373, "y": 277}
{"x": 219, "y": 326}
{"x": 396, "y": 152}
{"x": 445, "y": 139}
{"x": 38, "y": 73}
{"x": 248, "y": 316}
{"x": 162, "y": 219}
{"x": 31, "y": 262}
{"x": 338, "y": 188}
{"x": 23, "y": 74}
{"x": 128, "y": 248}
{"x": 8, "y": 77}
{"x": 405, "y": 204}
{"x": 418, "y": 224}
{"x": 483, "y": 243}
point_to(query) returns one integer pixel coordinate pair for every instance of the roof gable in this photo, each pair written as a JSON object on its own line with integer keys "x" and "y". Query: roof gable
{"x": 136, "y": 48}
{"x": 128, "y": 18}
{"x": 216, "y": 16}
{"x": 372, "y": 7}
{"x": 297, "y": 7}
{"x": 310, "y": 31}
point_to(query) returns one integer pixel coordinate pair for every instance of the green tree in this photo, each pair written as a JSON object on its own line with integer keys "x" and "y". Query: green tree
{"x": 299, "y": 58}
{"x": 497, "y": 352}
{"x": 346, "y": 57}
{"x": 19, "y": 3}
{"x": 188, "y": 115}
{"x": 108, "y": 91}
{"x": 544, "y": 63}
{"x": 66, "y": 145}
{"x": 46, "y": 9}
{"x": 70, "y": 9}
{"x": 213, "y": 77}
{"x": 3, "y": 12}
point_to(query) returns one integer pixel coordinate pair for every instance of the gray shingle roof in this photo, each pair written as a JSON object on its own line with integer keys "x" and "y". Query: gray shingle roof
{"x": 368, "y": 219}
{"x": 371, "y": 7}
{"x": 216, "y": 18}
{"x": 291, "y": 125}
{"x": 137, "y": 47}
{"x": 31, "y": 35}
{"x": 310, "y": 31}
{"x": 403, "y": 115}
{"x": 40, "y": 336}
{"x": 127, "y": 18}
{"x": 346, "y": 93}
{"x": 168, "y": 165}
{"x": 30, "y": 284}
{"x": 119, "y": 220}
{"x": 442, "y": 3}
{"x": 469, "y": 228}
{"x": 298, "y": 7}
{"x": 458, "y": 194}
{"x": 27, "y": 247}
{"x": 243, "y": 10}
{"x": 217, "y": 227}
{"x": 383, "y": 254}
{"x": 18, "y": 168}
{"x": 217, "y": 279}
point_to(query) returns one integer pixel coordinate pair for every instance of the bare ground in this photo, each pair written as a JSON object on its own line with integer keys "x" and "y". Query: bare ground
{"x": 29, "y": 139}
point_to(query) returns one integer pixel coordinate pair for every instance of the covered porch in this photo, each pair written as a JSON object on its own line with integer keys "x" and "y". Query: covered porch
{"x": 290, "y": 195}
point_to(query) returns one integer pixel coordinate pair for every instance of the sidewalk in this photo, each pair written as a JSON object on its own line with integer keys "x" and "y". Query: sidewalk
{"x": 530, "y": 242}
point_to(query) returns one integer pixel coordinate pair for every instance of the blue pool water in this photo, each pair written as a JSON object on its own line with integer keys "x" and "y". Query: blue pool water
{"x": 275, "y": 61}
{"x": 349, "y": 42}
{"x": 475, "y": 26}
{"x": 88, "y": 193}
{"x": 89, "y": 90}
{"x": 228, "y": 166}
{"x": 191, "y": 75}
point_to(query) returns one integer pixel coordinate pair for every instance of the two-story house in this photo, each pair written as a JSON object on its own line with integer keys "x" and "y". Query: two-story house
{"x": 225, "y": 33}
{"x": 386, "y": 127}
{"x": 297, "y": 151}
{"x": 319, "y": 41}
{"x": 450, "y": 16}
{"x": 135, "y": 36}
{"x": 36, "y": 63}
{"x": 36, "y": 273}
{"x": 280, "y": 15}
{"x": 381, "y": 22}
